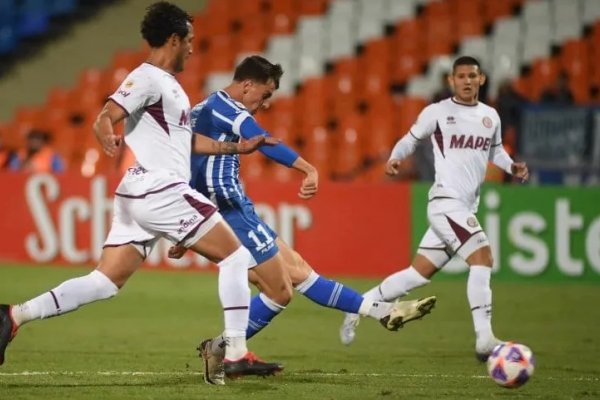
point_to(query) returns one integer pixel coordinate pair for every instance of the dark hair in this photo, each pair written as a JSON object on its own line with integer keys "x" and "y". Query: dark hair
{"x": 465, "y": 60}
{"x": 258, "y": 69}
{"x": 163, "y": 19}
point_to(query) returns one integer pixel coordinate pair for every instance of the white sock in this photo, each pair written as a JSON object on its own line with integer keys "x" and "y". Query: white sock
{"x": 235, "y": 299}
{"x": 397, "y": 285}
{"x": 374, "y": 309}
{"x": 67, "y": 296}
{"x": 479, "y": 294}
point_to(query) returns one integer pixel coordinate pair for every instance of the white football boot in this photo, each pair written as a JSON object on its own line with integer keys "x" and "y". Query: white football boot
{"x": 483, "y": 348}
{"x": 214, "y": 369}
{"x": 404, "y": 311}
{"x": 348, "y": 328}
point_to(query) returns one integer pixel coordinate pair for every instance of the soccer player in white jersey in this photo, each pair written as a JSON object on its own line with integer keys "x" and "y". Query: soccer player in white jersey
{"x": 154, "y": 199}
{"x": 465, "y": 135}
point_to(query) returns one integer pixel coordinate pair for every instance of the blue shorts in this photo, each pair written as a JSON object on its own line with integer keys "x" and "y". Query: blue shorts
{"x": 254, "y": 234}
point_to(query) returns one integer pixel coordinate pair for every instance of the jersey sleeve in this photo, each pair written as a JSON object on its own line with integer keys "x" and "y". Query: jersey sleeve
{"x": 423, "y": 127}
{"x": 498, "y": 154}
{"x": 136, "y": 92}
{"x": 280, "y": 153}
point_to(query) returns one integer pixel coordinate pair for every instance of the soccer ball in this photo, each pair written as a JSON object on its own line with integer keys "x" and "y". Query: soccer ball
{"x": 511, "y": 364}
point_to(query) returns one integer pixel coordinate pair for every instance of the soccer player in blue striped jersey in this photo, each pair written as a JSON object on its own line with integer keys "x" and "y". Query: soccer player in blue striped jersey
{"x": 227, "y": 116}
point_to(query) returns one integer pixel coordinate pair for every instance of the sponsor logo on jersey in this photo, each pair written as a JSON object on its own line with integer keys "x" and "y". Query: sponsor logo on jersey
{"x": 487, "y": 122}
{"x": 184, "y": 119}
{"x": 472, "y": 222}
{"x": 450, "y": 120}
{"x": 470, "y": 142}
{"x": 123, "y": 93}
{"x": 184, "y": 225}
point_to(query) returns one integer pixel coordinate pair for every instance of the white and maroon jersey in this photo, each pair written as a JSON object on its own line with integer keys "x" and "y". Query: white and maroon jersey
{"x": 464, "y": 138}
{"x": 157, "y": 128}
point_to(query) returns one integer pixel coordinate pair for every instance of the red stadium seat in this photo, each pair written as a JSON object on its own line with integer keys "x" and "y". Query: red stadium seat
{"x": 544, "y": 72}
{"x": 348, "y": 150}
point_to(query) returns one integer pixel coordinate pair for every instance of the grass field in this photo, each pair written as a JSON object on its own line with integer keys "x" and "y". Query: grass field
{"x": 140, "y": 345}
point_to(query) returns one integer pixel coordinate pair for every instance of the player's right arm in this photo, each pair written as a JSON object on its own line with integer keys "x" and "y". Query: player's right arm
{"x": 423, "y": 127}
{"x": 103, "y": 127}
{"x": 134, "y": 93}
{"x": 310, "y": 183}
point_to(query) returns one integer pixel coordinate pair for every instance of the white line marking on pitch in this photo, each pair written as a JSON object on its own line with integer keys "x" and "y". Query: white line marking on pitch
{"x": 299, "y": 373}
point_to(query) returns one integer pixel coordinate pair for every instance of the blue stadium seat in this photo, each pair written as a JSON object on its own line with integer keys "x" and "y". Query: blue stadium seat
{"x": 8, "y": 39}
{"x": 7, "y": 12}
{"x": 62, "y": 7}
{"x": 34, "y": 18}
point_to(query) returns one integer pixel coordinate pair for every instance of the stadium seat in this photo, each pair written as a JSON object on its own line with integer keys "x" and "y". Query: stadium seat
{"x": 348, "y": 155}
{"x": 281, "y": 15}
{"x": 318, "y": 149}
{"x": 62, "y": 7}
{"x": 410, "y": 107}
{"x": 33, "y": 18}
{"x": 543, "y": 73}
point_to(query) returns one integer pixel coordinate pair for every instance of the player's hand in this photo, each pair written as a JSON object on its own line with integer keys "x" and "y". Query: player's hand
{"x": 310, "y": 185}
{"x": 110, "y": 143}
{"x": 519, "y": 169}
{"x": 176, "y": 251}
{"x": 250, "y": 145}
{"x": 392, "y": 167}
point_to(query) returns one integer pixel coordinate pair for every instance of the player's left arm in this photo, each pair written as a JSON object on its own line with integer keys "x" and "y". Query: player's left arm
{"x": 284, "y": 155}
{"x": 280, "y": 153}
{"x": 502, "y": 159}
{"x": 205, "y": 145}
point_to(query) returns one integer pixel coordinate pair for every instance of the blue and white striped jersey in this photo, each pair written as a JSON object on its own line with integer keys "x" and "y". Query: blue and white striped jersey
{"x": 222, "y": 118}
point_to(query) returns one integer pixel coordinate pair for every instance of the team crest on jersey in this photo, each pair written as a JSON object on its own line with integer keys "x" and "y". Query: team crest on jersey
{"x": 472, "y": 222}
{"x": 450, "y": 120}
{"x": 128, "y": 84}
{"x": 487, "y": 122}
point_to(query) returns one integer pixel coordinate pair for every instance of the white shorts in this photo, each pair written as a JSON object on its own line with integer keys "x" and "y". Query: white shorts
{"x": 454, "y": 229}
{"x": 174, "y": 211}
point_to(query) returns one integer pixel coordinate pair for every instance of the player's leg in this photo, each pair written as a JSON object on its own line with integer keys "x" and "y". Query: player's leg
{"x": 458, "y": 227}
{"x": 262, "y": 310}
{"x": 122, "y": 255}
{"x": 70, "y": 295}
{"x": 333, "y": 294}
{"x": 431, "y": 256}
{"x": 213, "y": 238}
{"x": 479, "y": 294}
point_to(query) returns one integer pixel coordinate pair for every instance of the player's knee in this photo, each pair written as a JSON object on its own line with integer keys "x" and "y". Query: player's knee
{"x": 283, "y": 296}
{"x": 104, "y": 287}
{"x": 299, "y": 270}
{"x": 482, "y": 256}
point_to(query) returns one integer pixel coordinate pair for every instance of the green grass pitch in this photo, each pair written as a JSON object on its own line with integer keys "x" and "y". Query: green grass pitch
{"x": 141, "y": 344}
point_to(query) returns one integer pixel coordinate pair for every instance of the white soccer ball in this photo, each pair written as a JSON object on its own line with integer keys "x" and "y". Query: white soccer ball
{"x": 511, "y": 364}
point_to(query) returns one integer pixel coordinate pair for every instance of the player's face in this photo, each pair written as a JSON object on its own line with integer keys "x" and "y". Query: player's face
{"x": 185, "y": 49}
{"x": 465, "y": 81}
{"x": 257, "y": 95}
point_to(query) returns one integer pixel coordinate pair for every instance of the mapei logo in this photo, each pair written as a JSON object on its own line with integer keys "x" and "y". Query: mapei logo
{"x": 469, "y": 142}
{"x": 184, "y": 119}
{"x": 184, "y": 225}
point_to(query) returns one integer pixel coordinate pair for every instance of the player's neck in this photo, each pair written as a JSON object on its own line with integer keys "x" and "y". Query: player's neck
{"x": 465, "y": 102}
{"x": 162, "y": 60}
{"x": 234, "y": 91}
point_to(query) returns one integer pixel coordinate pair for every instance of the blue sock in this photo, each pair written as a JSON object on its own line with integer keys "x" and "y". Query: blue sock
{"x": 262, "y": 311}
{"x": 330, "y": 293}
